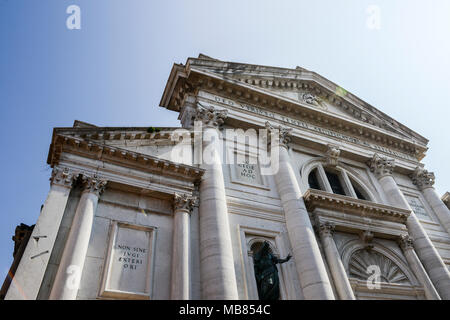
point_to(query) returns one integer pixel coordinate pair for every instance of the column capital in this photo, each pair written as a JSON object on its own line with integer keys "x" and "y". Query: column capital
{"x": 93, "y": 184}
{"x": 326, "y": 229}
{"x": 405, "y": 242}
{"x": 381, "y": 166}
{"x": 422, "y": 178}
{"x": 183, "y": 202}
{"x": 209, "y": 116}
{"x": 63, "y": 177}
{"x": 332, "y": 154}
{"x": 283, "y": 134}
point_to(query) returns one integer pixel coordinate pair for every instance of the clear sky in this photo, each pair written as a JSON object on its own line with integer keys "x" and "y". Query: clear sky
{"x": 113, "y": 70}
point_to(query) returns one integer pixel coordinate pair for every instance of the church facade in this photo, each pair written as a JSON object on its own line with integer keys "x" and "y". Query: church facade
{"x": 265, "y": 157}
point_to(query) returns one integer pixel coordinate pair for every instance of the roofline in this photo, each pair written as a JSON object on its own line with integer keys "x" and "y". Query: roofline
{"x": 302, "y": 71}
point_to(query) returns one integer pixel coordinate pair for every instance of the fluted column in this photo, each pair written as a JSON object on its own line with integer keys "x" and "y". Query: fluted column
{"x": 425, "y": 181}
{"x": 216, "y": 255}
{"x": 337, "y": 269}
{"x": 180, "y": 289}
{"x": 425, "y": 249}
{"x": 406, "y": 243}
{"x": 308, "y": 260}
{"x": 30, "y": 272}
{"x": 68, "y": 276}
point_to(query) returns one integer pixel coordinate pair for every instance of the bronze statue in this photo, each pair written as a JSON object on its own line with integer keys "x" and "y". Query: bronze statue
{"x": 266, "y": 273}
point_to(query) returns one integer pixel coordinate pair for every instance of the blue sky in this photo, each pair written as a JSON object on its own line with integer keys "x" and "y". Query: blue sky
{"x": 112, "y": 72}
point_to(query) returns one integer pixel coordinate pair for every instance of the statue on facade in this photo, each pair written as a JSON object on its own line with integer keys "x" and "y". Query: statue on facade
{"x": 266, "y": 273}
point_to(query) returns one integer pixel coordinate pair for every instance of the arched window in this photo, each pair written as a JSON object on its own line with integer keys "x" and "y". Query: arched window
{"x": 313, "y": 181}
{"x": 359, "y": 191}
{"x": 337, "y": 180}
{"x": 334, "y": 179}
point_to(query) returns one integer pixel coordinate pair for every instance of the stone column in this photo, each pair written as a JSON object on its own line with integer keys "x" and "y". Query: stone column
{"x": 337, "y": 269}
{"x": 308, "y": 260}
{"x": 30, "y": 272}
{"x": 216, "y": 254}
{"x": 406, "y": 243}
{"x": 425, "y": 249}
{"x": 68, "y": 276}
{"x": 425, "y": 181}
{"x": 180, "y": 289}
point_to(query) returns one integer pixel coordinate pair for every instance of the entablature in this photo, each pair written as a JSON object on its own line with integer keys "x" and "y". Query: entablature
{"x": 250, "y": 97}
{"x": 318, "y": 199}
{"x": 121, "y": 157}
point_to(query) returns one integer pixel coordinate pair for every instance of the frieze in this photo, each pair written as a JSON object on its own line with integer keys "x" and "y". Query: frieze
{"x": 311, "y": 127}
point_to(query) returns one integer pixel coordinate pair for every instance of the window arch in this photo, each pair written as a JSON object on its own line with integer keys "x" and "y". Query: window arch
{"x": 334, "y": 179}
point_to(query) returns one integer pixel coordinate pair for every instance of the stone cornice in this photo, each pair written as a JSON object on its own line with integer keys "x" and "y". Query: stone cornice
{"x": 240, "y": 91}
{"x": 123, "y": 157}
{"x": 335, "y": 202}
{"x": 288, "y": 78}
{"x": 116, "y": 133}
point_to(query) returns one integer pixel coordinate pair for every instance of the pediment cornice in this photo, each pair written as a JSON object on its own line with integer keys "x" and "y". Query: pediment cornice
{"x": 195, "y": 79}
{"x": 335, "y": 202}
{"x": 298, "y": 79}
{"x": 119, "y": 156}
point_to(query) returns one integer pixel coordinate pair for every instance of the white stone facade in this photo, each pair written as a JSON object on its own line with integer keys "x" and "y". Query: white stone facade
{"x": 139, "y": 213}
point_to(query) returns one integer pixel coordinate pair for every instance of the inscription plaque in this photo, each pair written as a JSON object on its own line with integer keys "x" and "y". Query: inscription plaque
{"x": 417, "y": 207}
{"x": 245, "y": 170}
{"x": 248, "y": 172}
{"x": 129, "y": 268}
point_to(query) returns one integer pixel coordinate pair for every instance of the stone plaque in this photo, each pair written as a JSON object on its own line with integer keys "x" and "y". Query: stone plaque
{"x": 248, "y": 172}
{"x": 417, "y": 206}
{"x": 128, "y": 270}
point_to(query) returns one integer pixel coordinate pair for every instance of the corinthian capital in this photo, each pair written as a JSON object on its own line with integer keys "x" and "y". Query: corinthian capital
{"x": 422, "y": 178}
{"x": 326, "y": 229}
{"x": 405, "y": 242}
{"x": 62, "y": 177}
{"x": 93, "y": 184}
{"x": 381, "y": 166}
{"x": 183, "y": 202}
{"x": 209, "y": 116}
{"x": 283, "y": 134}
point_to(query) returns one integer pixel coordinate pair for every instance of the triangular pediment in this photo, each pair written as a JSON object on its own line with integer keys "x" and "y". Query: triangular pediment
{"x": 305, "y": 87}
